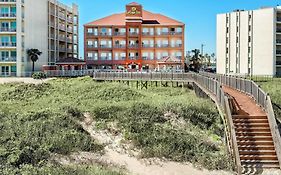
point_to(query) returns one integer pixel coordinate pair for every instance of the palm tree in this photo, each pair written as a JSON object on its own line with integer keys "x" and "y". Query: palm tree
{"x": 33, "y": 54}
{"x": 196, "y": 61}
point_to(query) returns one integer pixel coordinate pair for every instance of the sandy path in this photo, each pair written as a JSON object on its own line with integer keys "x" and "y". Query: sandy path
{"x": 116, "y": 156}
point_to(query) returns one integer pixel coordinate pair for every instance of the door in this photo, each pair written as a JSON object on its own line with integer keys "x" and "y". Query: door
{"x": 5, "y": 71}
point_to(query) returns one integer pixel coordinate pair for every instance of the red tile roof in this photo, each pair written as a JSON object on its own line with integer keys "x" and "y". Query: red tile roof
{"x": 120, "y": 20}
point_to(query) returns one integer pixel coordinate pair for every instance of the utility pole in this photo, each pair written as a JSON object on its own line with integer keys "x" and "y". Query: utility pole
{"x": 202, "y": 49}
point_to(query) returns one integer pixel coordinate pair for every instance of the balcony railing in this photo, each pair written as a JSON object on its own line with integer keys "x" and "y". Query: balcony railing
{"x": 279, "y": 19}
{"x": 105, "y": 46}
{"x": 62, "y": 49}
{"x": 69, "y": 40}
{"x": 92, "y": 46}
{"x": 163, "y": 33}
{"x": 62, "y": 27}
{"x": 147, "y": 34}
{"x": 133, "y": 46}
{"x": 105, "y": 58}
{"x": 133, "y": 33}
{"x": 69, "y": 50}
{"x": 162, "y": 45}
{"x": 62, "y": 38}
{"x": 105, "y": 34}
{"x": 8, "y": 29}
{"x": 119, "y": 33}
{"x": 133, "y": 57}
{"x": 278, "y": 41}
{"x": 119, "y": 46}
{"x": 9, "y": 44}
{"x": 278, "y": 30}
{"x": 278, "y": 52}
{"x": 92, "y": 34}
{"x": 119, "y": 58}
{"x": 176, "y": 45}
{"x": 175, "y": 33}
{"x": 8, "y": 59}
{"x": 69, "y": 29}
{"x": 147, "y": 46}
{"x": 278, "y": 63}
{"x": 8, "y": 0}
{"x": 8, "y": 15}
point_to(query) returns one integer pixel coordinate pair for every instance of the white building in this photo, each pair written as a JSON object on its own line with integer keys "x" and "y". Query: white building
{"x": 46, "y": 25}
{"x": 249, "y": 42}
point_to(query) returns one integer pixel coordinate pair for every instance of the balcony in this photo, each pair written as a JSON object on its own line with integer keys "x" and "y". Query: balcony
{"x": 92, "y": 47}
{"x": 147, "y": 58}
{"x": 105, "y": 46}
{"x": 9, "y": 44}
{"x": 62, "y": 38}
{"x": 278, "y": 30}
{"x": 105, "y": 34}
{"x": 175, "y": 33}
{"x": 278, "y": 19}
{"x": 69, "y": 20}
{"x": 105, "y": 58}
{"x": 62, "y": 49}
{"x": 147, "y": 46}
{"x": 8, "y": 59}
{"x": 133, "y": 57}
{"x": 69, "y": 50}
{"x": 133, "y": 33}
{"x": 278, "y": 52}
{"x": 119, "y": 33}
{"x": 8, "y": 29}
{"x": 119, "y": 58}
{"x": 92, "y": 34}
{"x": 8, "y": 1}
{"x": 176, "y": 46}
{"x": 119, "y": 46}
{"x": 162, "y": 45}
{"x": 62, "y": 27}
{"x": 278, "y": 41}
{"x": 147, "y": 34}
{"x": 70, "y": 30}
{"x": 133, "y": 46}
{"x": 70, "y": 40}
{"x": 8, "y": 15}
{"x": 278, "y": 63}
{"x": 163, "y": 33}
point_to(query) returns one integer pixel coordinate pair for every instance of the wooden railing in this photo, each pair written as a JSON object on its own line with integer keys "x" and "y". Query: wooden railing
{"x": 143, "y": 76}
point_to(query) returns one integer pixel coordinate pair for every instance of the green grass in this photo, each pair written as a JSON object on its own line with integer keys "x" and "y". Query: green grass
{"x": 37, "y": 120}
{"x": 274, "y": 90}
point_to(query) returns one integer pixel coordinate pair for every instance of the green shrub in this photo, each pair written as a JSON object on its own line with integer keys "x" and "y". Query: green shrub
{"x": 39, "y": 75}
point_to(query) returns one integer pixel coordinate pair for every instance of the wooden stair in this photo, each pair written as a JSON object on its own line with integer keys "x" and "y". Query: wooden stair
{"x": 255, "y": 143}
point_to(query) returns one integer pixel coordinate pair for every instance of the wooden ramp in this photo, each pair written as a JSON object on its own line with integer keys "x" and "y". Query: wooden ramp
{"x": 254, "y": 138}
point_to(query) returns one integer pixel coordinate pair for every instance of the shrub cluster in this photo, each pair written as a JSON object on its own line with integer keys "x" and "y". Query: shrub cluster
{"x": 39, "y": 75}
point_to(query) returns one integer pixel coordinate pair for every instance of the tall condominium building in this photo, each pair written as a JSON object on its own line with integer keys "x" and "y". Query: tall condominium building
{"x": 249, "y": 42}
{"x": 136, "y": 39}
{"x": 46, "y": 25}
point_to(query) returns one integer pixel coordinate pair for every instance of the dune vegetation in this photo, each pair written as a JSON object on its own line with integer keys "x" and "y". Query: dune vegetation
{"x": 37, "y": 121}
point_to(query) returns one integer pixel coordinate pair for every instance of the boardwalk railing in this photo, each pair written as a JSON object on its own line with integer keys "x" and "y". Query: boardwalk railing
{"x": 142, "y": 76}
{"x": 214, "y": 86}
{"x": 263, "y": 99}
{"x": 68, "y": 73}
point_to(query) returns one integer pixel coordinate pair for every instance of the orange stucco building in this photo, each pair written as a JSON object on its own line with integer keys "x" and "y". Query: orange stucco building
{"x": 134, "y": 40}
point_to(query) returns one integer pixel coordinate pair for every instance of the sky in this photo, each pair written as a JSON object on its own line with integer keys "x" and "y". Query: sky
{"x": 199, "y": 16}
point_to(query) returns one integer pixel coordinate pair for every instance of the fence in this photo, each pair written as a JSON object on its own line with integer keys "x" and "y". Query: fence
{"x": 68, "y": 73}
{"x": 142, "y": 76}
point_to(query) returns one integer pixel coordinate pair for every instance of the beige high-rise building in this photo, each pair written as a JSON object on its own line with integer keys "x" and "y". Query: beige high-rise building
{"x": 249, "y": 42}
{"x": 47, "y": 25}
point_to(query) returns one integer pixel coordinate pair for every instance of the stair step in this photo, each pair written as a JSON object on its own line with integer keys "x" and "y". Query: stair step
{"x": 259, "y": 161}
{"x": 252, "y": 129}
{"x": 261, "y": 138}
{"x": 258, "y": 157}
{"x": 257, "y": 152}
{"x": 251, "y": 125}
{"x": 256, "y": 147}
{"x": 254, "y": 142}
{"x": 250, "y": 120}
{"x": 256, "y": 133}
{"x": 248, "y": 117}
{"x": 261, "y": 165}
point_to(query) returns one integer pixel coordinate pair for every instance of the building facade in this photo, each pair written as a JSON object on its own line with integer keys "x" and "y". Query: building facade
{"x": 136, "y": 40}
{"x": 46, "y": 25}
{"x": 249, "y": 42}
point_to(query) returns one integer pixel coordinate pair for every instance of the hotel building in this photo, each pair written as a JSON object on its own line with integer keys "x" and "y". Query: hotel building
{"x": 249, "y": 42}
{"x": 46, "y": 25}
{"x": 136, "y": 40}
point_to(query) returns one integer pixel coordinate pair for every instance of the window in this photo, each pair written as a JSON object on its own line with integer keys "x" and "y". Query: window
{"x": 179, "y": 30}
{"x": 227, "y": 50}
{"x": 90, "y": 43}
{"x": 90, "y": 30}
{"x": 151, "y": 55}
{"x": 90, "y": 55}
{"x": 249, "y": 49}
{"x": 227, "y": 29}
{"x": 13, "y": 54}
{"x": 13, "y": 68}
{"x": 13, "y": 25}
{"x": 249, "y": 60}
{"x": 145, "y": 55}
{"x": 226, "y": 40}
{"x": 227, "y": 19}
{"x": 226, "y": 60}
{"x": 249, "y": 39}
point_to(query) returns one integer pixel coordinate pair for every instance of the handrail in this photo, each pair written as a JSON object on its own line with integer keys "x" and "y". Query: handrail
{"x": 233, "y": 135}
